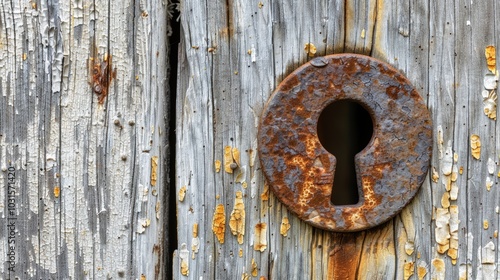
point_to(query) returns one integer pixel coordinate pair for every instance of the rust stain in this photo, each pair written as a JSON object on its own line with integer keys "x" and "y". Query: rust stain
{"x": 157, "y": 251}
{"x": 265, "y": 193}
{"x": 102, "y": 76}
{"x": 228, "y": 31}
{"x": 300, "y": 171}
{"x": 344, "y": 258}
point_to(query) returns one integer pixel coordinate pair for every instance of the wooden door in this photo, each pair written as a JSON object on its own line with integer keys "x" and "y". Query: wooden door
{"x": 233, "y": 54}
{"x": 84, "y": 176}
{"x": 86, "y": 180}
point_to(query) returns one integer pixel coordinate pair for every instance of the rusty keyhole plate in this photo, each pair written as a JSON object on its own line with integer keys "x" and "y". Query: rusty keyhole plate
{"x": 389, "y": 170}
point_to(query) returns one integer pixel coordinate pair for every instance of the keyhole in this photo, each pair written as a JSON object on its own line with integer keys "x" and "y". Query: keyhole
{"x": 344, "y": 129}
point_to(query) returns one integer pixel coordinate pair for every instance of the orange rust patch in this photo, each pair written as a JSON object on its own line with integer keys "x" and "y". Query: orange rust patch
{"x": 102, "y": 76}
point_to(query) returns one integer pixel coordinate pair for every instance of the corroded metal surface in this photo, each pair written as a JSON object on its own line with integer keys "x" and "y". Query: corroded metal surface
{"x": 389, "y": 170}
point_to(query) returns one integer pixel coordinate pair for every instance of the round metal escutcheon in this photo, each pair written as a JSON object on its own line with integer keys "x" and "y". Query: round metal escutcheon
{"x": 389, "y": 170}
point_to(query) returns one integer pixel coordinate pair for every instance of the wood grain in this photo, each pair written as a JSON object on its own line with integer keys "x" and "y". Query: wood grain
{"x": 86, "y": 207}
{"x": 234, "y": 54}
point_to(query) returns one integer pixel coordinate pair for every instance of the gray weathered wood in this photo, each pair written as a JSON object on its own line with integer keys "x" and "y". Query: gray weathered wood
{"x": 234, "y": 54}
{"x": 86, "y": 206}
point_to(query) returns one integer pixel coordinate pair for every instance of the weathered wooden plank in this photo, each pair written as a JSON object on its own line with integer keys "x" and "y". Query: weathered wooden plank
{"x": 87, "y": 202}
{"x": 236, "y": 53}
{"x": 481, "y": 200}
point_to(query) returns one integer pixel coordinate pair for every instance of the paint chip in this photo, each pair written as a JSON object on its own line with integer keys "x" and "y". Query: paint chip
{"x": 254, "y": 268}
{"x": 240, "y": 178}
{"x": 184, "y": 255}
{"x": 219, "y": 223}
{"x": 490, "y": 104}
{"x": 439, "y": 269}
{"x": 475, "y": 144}
{"x": 240, "y": 253}
{"x": 251, "y": 155}
{"x": 260, "y": 235}
{"x": 490, "y": 82}
{"x": 57, "y": 191}
{"x": 421, "y": 271}
{"x": 489, "y": 183}
{"x": 231, "y": 159}
{"x": 486, "y": 224}
{"x": 142, "y": 224}
{"x": 447, "y": 161}
{"x": 195, "y": 242}
{"x": 435, "y": 175}
{"x": 157, "y": 210}
{"x": 217, "y": 166}
{"x": 228, "y": 159}
{"x": 236, "y": 155}
{"x": 363, "y": 33}
{"x": 182, "y": 193}
{"x": 488, "y": 254}
{"x": 285, "y": 226}
{"x": 154, "y": 170}
{"x": 408, "y": 270}
{"x": 454, "y": 225}
{"x": 442, "y": 230}
{"x": 445, "y": 200}
{"x": 409, "y": 247}
{"x": 310, "y": 49}
{"x": 490, "y": 54}
{"x": 237, "y": 220}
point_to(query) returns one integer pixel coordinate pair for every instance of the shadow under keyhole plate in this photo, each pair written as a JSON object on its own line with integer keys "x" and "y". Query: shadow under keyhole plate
{"x": 390, "y": 169}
